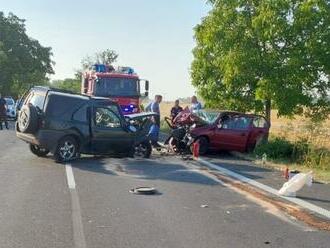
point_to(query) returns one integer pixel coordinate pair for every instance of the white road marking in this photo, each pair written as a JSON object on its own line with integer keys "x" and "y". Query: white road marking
{"x": 78, "y": 230}
{"x": 70, "y": 177}
{"x": 299, "y": 202}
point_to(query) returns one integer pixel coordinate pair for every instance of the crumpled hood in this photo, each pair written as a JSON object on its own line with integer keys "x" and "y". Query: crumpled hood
{"x": 142, "y": 122}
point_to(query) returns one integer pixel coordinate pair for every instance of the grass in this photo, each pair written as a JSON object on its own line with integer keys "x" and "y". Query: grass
{"x": 302, "y": 155}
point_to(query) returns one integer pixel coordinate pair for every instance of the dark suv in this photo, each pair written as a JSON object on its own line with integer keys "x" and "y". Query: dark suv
{"x": 68, "y": 124}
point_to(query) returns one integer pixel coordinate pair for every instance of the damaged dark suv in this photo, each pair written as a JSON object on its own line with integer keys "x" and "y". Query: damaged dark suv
{"x": 67, "y": 124}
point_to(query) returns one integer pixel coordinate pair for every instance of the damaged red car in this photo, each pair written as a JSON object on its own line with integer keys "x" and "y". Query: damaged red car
{"x": 230, "y": 131}
{"x": 225, "y": 130}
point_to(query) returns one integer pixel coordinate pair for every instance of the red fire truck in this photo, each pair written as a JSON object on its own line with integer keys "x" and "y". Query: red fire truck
{"x": 122, "y": 85}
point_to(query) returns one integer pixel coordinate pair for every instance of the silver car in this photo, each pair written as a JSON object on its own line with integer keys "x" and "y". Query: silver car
{"x": 11, "y": 107}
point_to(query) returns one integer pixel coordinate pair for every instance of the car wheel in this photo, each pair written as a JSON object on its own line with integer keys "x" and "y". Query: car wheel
{"x": 39, "y": 151}
{"x": 203, "y": 145}
{"x": 142, "y": 150}
{"x": 28, "y": 119}
{"x": 67, "y": 149}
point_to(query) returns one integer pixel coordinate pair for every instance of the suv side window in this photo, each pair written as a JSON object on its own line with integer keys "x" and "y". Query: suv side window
{"x": 105, "y": 118}
{"x": 115, "y": 109}
{"x": 236, "y": 122}
{"x": 259, "y": 122}
{"x": 81, "y": 114}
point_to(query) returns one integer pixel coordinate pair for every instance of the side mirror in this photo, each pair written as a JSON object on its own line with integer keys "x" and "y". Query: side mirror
{"x": 219, "y": 126}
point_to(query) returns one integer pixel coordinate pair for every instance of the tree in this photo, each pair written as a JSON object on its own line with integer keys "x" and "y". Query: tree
{"x": 107, "y": 56}
{"x": 23, "y": 61}
{"x": 70, "y": 84}
{"x": 74, "y": 84}
{"x": 255, "y": 55}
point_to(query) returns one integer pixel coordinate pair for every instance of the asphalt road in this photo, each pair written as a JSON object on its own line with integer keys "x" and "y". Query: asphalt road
{"x": 43, "y": 205}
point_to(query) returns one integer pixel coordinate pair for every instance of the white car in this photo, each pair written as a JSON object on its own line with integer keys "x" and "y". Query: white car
{"x": 11, "y": 107}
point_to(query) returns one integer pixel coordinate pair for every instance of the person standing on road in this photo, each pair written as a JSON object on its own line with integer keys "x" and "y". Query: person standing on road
{"x": 154, "y": 130}
{"x": 195, "y": 104}
{"x": 3, "y": 112}
{"x": 176, "y": 109}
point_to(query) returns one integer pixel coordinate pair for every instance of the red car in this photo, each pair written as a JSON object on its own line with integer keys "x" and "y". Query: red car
{"x": 231, "y": 131}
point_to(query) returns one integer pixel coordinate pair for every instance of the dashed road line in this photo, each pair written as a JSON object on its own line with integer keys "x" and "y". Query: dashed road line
{"x": 70, "y": 177}
{"x": 78, "y": 230}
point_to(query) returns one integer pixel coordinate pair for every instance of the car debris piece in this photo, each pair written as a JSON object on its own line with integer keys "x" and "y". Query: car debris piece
{"x": 296, "y": 183}
{"x": 143, "y": 191}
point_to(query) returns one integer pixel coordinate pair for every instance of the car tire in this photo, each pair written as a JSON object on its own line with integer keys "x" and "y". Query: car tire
{"x": 142, "y": 150}
{"x": 28, "y": 119}
{"x": 39, "y": 151}
{"x": 203, "y": 145}
{"x": 66, "y": 150}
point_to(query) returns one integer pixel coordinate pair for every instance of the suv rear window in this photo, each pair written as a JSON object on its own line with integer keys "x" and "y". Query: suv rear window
{"x": 37, "y": 99}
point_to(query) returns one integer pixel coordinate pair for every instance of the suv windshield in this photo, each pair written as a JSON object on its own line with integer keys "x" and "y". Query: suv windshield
{"x": 117, "y": 87}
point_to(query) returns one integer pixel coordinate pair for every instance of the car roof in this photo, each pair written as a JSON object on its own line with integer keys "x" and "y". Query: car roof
{"x": 71, "y": 94}
{"x": 228, "y": 112}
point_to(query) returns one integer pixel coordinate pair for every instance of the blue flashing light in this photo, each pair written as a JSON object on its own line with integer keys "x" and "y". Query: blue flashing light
{"x": 129, "y": 108}
{"x": 99, "y": 68}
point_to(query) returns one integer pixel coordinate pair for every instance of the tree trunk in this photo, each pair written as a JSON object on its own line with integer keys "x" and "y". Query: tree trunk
{"x": 268, "y": 106}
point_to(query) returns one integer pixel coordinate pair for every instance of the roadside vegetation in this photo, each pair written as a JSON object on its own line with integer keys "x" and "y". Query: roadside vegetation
{"x": 303, "y": 147}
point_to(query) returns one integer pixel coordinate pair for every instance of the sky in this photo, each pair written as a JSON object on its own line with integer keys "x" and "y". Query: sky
{"x": 155, "y": 37}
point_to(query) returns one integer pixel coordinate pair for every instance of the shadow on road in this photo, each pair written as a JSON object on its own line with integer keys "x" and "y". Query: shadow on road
{"x": 92, "y": 164}
{"x": 147, "y": 169}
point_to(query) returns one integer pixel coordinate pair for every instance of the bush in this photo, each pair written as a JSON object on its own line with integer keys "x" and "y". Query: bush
{"x": 317, "y": 158}
{"x": 277, "y": 148}
{"x": 301, "y": 152}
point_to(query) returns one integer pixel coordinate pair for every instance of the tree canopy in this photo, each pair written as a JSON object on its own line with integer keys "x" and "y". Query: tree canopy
{"x": 23, "y": 61}
{"x": 107, "y": 56}
{"x": 251, "y": 54}
{"x": 71, "y": 84}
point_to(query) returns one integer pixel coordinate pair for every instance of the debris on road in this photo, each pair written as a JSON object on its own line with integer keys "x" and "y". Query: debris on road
{"x": 295, "y": 184}
{"x": 143, "y": 191}
{"x": 292, "y": 173}
{"x": 204, "y": 206}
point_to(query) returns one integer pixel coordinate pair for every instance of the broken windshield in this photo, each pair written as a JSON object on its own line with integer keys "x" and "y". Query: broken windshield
{"x": 207, "y": 116}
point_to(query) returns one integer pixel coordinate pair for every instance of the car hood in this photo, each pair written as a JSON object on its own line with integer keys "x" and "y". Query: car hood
{"x": 140, "y": 115}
